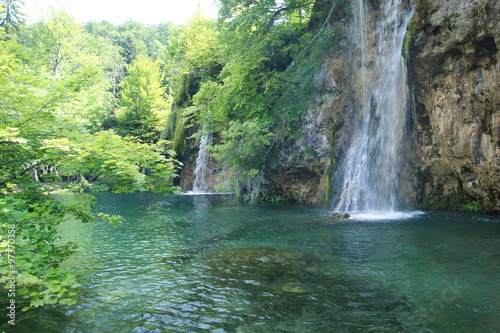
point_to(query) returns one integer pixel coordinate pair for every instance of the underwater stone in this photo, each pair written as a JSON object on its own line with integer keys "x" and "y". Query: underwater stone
{"x": 341, "y": 216}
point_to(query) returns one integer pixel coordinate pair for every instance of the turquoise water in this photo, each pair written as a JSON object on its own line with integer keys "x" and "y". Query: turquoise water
{"x": 211, "y": 264}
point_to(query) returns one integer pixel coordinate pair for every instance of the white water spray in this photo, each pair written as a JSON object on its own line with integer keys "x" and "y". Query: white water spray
{"x": 372, "y": 161}
{"x": 200, "y": 172}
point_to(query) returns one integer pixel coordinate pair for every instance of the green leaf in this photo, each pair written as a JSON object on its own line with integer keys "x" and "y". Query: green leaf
{"x": 37, "y": 302}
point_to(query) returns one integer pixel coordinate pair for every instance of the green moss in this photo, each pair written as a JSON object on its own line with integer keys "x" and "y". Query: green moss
{"x": 175, "y": 131}
{"x": 168, "y": 132}
{"x": 310, "y": 151}
{"x": 471, "y": 206}
{"x": 329, "y": 188}
{"x": 274, "y": 198}
{"x": 405, "y": 50}
{"x": 179, "y": 139}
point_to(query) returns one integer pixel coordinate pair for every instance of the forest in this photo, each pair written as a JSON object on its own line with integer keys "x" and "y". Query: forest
{"x": 101, "y": 107}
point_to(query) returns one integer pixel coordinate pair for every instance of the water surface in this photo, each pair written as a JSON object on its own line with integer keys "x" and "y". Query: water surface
{"x": 211, "y": 264}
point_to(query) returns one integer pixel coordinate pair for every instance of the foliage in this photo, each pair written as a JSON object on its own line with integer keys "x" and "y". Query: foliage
{"x": 192, "y": 56}
{"x": 11, "y": 17}
{"x": 298, "y": 82}
{"x": 405, "y": 49}
{"x": 274, "y": 198}
{"x": 272, "y": 55}
{"x": 471, "y": 206}
{"x": 35, "y": 133}
{"x": 59, "y": 49}
{"x": 243, "y": 144}
{"x": 143, "y": 101}
{"x": 107, "y": 156}
{"x": 54, "y": 44}
{"x": 91, "y": 100}
{"x": 32, "y": 218}
{"x": 193, "y": 47}
{"x": 136, "y": 39}
{"x": 243, "y": 150}
{"x": 28, "y": 109}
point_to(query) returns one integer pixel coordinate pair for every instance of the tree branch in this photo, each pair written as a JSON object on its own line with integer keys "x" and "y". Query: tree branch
{"x": 23, "y": 172}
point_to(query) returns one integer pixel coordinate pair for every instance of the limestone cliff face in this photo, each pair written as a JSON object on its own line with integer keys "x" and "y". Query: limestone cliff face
{"x": 213, "y": 174}
{"x": 455, "y": 75}
{"x": 306, "y": 165}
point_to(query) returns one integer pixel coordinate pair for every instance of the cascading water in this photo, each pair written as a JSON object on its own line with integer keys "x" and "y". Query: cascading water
{"x": 372, "y": 161}
{"x": 200, "y": 172}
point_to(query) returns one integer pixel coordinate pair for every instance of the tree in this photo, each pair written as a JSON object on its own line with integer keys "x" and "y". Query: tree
{"x": 60, "y": 48}
{"x": 53, "y": 44}
{"x": 131, "y": 39}
{"x": 243, "y": 148}
{"x": 143, "y": 102}
{"x": 31, "y": 136}
{"x": 194, "y": 48}
{"x": 11, "y": 17}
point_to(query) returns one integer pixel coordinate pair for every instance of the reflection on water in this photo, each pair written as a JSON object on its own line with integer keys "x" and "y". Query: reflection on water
{"x": 211, "y": 264}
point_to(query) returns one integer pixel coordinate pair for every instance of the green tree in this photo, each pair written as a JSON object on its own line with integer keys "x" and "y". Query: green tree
{"x": 114, "y": 64}
{"x": 272, "y": 53}
{"x": 243, "y": 148}
{"x": 136, "y": 39}
{"x": 143, "y": 102}
{"x": 53, "y": 44}
{"x": 95, "y": 104}
{"x": 192, "y": 56}
{"x": 60, "y": 48}
{"x": 11, "y": 17}
{"x": 33, "y": 135}
{"x": 194, "y": 48}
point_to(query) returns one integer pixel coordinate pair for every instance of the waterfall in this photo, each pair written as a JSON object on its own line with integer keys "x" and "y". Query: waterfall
{"x": 200, "y": 172}
{"x": 372, "y": 162}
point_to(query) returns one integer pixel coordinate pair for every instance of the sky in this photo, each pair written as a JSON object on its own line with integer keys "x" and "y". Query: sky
{"x": 120, "y": 11}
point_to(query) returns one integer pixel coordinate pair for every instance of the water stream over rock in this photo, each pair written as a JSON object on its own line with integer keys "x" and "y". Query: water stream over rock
{"x": 200, "y": 172}
{"x": 373, "y": 160}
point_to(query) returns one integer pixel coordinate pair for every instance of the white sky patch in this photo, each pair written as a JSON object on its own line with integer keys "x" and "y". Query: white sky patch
{"x": 120, "y": 11}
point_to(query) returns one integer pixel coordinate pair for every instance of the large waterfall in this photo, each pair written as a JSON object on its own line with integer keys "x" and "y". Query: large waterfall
{"x": 371, "y": 166}
{"x": 200, "y": 172}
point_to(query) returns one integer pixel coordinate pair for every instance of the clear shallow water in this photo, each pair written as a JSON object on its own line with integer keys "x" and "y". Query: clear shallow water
{"x": 210, "y": 264}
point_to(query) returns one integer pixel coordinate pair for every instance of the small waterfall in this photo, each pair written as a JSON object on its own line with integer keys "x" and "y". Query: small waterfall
{"x": 372, "y": 161}
{"x": 200, "y": 172}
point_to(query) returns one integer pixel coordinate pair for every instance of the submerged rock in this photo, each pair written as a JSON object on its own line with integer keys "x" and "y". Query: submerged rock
{"x": 341, "y": 216}
{"x": 295, "y": 287}
{"x": 262, "y": 256}
{"x": 264, "y": 264}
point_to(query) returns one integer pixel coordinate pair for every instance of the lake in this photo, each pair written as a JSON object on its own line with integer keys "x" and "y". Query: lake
{"x": 209, "y": 263}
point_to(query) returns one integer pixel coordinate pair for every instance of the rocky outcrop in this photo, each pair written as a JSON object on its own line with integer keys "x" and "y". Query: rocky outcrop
{"x": 213, "y": 175}
{"x": 455, "y": 74}
{"x": 305, "y": 164}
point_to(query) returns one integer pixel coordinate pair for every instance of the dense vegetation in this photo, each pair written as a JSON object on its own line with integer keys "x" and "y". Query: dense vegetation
{"x": 248, "y": 79}
{"x": 105, "y": 107}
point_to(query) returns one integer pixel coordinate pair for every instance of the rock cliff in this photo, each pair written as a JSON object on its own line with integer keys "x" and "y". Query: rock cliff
{"x": 455, "y": 75}
{"x": 452, "y": 126}
{"x": 306, "y": 165}
{"x": 453, "y": 69}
